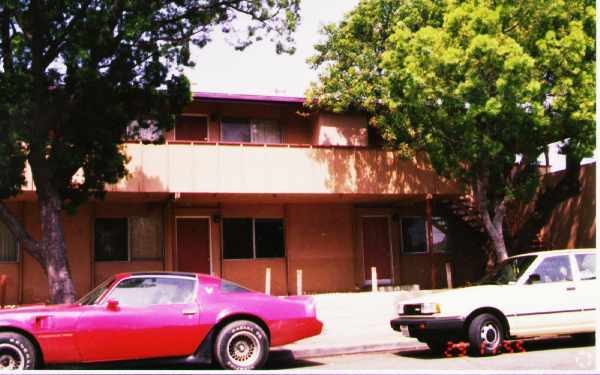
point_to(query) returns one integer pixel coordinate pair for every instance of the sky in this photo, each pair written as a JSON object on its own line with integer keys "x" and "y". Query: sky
{"x": 258, "y": 69}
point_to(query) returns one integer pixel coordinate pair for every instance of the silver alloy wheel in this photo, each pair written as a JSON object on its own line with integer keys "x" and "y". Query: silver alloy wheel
{"x": 490, "y": 335}
{"x": 243, "y": 348}
{"x": 11, "y": 357}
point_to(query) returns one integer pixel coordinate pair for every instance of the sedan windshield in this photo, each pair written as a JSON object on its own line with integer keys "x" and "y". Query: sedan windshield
{"x": 509, "y": 271}
{"x": 94, "y": 295}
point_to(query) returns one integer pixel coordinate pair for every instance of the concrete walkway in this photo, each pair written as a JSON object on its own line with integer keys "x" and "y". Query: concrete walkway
{"x": 355, "y": 323}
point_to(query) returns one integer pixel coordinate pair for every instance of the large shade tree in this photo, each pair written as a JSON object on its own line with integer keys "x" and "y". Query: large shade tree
{"x": 481, "y": 86}
{"x": 77, "y": 78}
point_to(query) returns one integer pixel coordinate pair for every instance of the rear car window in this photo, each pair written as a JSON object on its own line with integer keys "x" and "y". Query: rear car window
{"x": 587, "y": 266}
{"x": 229, "y": 287}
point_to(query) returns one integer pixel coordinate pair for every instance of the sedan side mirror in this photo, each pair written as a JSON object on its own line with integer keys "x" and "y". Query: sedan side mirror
{"x": 112, "y": 305}
{"x": 534, "y": 278}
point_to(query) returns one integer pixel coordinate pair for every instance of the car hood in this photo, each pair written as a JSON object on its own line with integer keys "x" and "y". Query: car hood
{"x": 452, "y": 295}
{"x": 35, "y": 308}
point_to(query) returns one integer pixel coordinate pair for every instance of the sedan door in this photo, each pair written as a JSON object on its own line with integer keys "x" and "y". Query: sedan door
{"x": 546, "y": 303}
{"x": 156, "y": 316}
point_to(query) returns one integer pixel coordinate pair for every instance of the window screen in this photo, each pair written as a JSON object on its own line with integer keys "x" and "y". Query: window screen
{"x": 8, "y": 245}
{"x": 111, "y": 239}
{"x": 146, "y": 236}
{"x": 269, "y": 238}
{"x": 237, "y": 239}
{"x": 235, "y": 130}
{"x": 191, "y": 128}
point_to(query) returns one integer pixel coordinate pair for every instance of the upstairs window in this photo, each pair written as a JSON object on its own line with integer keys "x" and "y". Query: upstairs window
{"x": 250, "y": 131}
{"x": 191, "y": 128}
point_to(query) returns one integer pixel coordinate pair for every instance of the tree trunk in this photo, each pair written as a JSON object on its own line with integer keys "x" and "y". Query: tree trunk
{"x": 493, "y": 227}
{"x": 61, "y": 288}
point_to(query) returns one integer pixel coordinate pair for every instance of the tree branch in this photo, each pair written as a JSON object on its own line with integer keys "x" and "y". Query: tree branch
{"x": 33, "y": 247}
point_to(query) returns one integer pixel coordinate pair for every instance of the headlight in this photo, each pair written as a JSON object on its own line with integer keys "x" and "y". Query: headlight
{"x": 427, "y": 308}
{"x": 430, "y": 308}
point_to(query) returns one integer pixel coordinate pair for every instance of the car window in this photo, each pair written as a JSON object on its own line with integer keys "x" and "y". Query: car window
{"x": 587, "y": 266}
{"x": 508, "y": 271}
{"x": 554, "y": 269}
{"x": 93, "y": 296}
{"x": 144, "y": 291}
{"x": 229, "y": 287}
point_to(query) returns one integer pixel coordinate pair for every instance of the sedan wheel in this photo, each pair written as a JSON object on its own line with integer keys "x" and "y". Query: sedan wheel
{"x": 485, "y": 334}
{"x": 16, "y": 352}
{"x": 241, "y": 345}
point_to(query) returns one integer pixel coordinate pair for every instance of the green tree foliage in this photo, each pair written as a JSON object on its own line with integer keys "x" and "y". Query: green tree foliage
{"x": 472, "y": 83}
{"x": 78, "y": 78}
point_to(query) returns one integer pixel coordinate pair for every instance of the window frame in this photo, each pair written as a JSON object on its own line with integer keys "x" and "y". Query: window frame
{"x": 253, "y": 238}
{"x": 205, "y": 115}
{"x": 251, "y": 122}
{"x": 106, "y": 297}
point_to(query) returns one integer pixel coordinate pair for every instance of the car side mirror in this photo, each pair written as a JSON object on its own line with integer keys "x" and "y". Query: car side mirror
{"x": 112, "y": 305}
{"x": 534, "y": 278}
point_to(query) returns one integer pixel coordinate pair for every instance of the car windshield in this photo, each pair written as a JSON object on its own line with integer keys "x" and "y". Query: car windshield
{"x": 93, "y": 295}
{"x": 509, "y": 271}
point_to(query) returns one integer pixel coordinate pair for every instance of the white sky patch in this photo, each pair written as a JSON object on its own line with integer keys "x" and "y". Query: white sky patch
{"x": 258, "y": 69}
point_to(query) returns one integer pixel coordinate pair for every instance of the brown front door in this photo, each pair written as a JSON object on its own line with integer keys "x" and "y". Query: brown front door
{"x": 376, "y": 245}
{"x": 193, "y": 245}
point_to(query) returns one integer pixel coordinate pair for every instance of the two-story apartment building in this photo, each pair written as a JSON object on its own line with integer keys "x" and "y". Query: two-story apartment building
{"x": 249, "y": 183}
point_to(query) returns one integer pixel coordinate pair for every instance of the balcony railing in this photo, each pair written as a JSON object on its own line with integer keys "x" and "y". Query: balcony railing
{"x": 241, "y": 168}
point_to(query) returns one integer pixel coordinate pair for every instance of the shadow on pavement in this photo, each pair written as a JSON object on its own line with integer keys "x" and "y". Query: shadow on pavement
{"x": 279, "y": 359}
{"x": 529, "y": 346}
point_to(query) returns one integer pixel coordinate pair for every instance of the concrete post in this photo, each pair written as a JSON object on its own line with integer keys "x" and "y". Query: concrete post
{"x": 373, "y": 279}
{"x": 268, "y": 280}
{"x": 299, "y": 282}
{"x": 449, "y": 275}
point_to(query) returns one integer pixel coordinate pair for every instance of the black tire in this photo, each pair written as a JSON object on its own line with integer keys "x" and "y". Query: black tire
{"x": 241, "y": 345}
{"x": 16, "y": 352}
{"x": 486, "y": 334}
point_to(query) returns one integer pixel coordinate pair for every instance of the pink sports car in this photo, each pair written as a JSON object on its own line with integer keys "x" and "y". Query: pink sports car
{"x": 179, "y": 316}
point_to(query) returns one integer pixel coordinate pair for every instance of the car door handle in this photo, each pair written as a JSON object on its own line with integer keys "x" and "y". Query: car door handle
{"x": 570, "y": 288}
{"x": 190, "y": 311}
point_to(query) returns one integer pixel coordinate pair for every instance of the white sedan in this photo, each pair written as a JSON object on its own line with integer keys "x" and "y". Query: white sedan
{"x": 529, "y": 295}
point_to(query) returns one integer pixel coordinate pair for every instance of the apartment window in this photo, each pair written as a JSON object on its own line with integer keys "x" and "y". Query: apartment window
{"x": 414, "y": 235}
{"x": 250, "y": 131}
{"x": 8, "y": 245}
{"x": 111, "y": 240}
{"x": 135, "y": 238}
{"x": 191, "y": 128}
{"x": 248, "y": 238}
